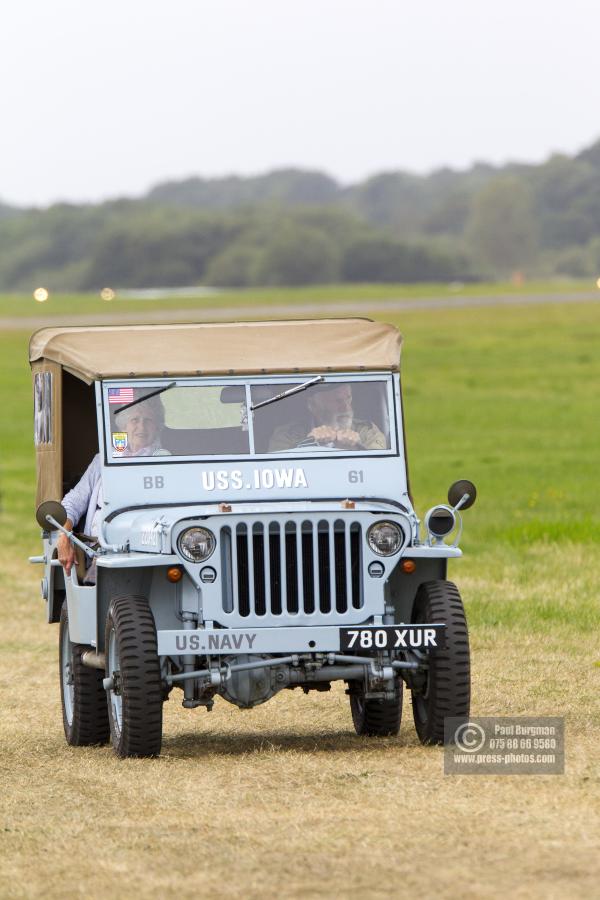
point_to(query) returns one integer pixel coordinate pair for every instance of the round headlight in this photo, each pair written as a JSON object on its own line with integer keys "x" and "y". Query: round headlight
{"x": 196, "y": 544}
{"x": 385, "y": 538}
{"x": 440, "y": 521}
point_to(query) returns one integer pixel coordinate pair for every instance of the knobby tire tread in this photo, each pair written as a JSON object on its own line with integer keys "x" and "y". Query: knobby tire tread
{"x": 449, "y": 669}
{"x": 141, "y": 691}
{"x": 90, "y": 712}
{"x": 376, "y": 718}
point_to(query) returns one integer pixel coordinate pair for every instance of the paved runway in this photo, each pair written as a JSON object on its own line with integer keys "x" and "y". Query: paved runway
{"x": 296, "y": 310}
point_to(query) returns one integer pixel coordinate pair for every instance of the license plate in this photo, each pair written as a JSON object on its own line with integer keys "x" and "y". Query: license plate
{"x": 393, "y": 637}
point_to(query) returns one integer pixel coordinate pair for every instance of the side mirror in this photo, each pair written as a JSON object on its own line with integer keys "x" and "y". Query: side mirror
{"x": 50, "y": 508}
{"x": 458, "y": 490}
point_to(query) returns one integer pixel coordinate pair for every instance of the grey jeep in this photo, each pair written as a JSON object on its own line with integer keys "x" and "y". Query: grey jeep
{"x": 270, "y": 544}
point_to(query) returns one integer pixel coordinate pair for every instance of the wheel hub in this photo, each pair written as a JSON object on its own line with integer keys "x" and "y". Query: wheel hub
{"x": 116, "y": 683}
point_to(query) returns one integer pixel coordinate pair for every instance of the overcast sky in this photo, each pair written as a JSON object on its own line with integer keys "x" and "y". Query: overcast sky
{"x": 100, "y": 99}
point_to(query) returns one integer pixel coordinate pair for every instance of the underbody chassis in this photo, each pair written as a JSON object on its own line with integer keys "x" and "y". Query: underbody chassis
{"x": 249, "y": 680}
{"x": 251, "y": 677}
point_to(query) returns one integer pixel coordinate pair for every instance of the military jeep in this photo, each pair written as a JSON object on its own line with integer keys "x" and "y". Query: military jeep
{"x": 270, "y": 543}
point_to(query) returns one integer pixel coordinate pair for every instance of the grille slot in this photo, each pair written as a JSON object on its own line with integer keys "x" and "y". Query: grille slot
{"x": 292, "y": 568}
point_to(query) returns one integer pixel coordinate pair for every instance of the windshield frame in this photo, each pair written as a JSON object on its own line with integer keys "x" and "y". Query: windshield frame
{"x": 247, "y": 381}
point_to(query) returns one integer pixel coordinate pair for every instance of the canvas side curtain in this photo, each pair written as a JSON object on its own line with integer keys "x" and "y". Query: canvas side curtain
{"x": 47, "y": 429}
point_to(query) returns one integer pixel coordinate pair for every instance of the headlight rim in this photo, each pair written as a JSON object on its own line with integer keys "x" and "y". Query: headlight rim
{"x": 401, "y": 538}
{"x": 186, "y": 555}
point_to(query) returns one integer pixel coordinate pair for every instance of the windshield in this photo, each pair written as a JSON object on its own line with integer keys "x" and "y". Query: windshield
{"x": 335, "y": 416}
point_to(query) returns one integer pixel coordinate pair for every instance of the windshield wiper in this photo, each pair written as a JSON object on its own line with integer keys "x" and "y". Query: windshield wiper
{"x": 146, "y": 397}
{"x": 294, "y": 390}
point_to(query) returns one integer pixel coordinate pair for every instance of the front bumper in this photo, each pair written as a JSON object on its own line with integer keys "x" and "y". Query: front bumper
{"x": 209, "y": 641}
{"x": 315, "y": 639}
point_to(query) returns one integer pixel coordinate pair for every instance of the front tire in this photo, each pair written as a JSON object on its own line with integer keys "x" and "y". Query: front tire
{"x": 446, "y": 690}
{"x": 135, "y": 700}
{"x": 85, "y": 716}
{"x": 376, "y": 718}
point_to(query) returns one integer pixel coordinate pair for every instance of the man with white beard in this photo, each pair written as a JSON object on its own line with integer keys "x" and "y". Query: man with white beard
{"x": 332, "y": 423}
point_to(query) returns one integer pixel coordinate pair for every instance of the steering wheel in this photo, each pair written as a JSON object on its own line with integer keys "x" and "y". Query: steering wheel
{"x": 309, "y": 445}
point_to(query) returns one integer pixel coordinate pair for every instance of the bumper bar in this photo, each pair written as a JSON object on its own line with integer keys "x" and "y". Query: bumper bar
{"x": 215, "y": 641}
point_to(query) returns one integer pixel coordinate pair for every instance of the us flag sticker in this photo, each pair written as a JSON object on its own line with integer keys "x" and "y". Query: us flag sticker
{"x": 120, "y": 395}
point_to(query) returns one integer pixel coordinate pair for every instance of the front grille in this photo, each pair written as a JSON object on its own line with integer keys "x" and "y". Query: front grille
{"x": 293, "y": 568}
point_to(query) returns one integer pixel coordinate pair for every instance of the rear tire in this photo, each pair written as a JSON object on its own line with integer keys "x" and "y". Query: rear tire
{"x": 84, "y": 711}
{"x": 376, "y": 718}
{"x": 135, "y": 703}
{"x": 447, "y": 689}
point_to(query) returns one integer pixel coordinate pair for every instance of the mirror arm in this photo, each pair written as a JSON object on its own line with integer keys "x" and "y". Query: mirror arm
{"x": 461, "y": 502}
{"x": 87, "y": 550}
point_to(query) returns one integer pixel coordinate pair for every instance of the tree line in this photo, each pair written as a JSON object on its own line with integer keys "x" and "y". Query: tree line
{"x": 296, "y": 227}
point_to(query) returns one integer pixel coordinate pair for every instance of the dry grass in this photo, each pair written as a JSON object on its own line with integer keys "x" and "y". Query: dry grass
{"x": 285, "y": 800}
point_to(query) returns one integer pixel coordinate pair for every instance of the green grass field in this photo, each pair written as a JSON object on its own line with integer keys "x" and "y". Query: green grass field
{"x": 284, "y": 799}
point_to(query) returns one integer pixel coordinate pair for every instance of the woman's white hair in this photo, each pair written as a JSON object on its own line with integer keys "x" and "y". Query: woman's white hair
{"x": 153, "y": 406}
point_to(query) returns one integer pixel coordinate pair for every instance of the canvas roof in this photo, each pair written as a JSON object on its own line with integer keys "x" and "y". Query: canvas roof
{"x": 226, "y": 348}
